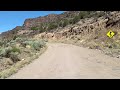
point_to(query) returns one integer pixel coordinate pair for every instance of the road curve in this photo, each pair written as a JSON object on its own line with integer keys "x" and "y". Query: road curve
{"x": 65, "y": 61}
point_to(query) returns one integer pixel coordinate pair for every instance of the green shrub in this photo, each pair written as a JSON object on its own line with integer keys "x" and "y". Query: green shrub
{"x": 18, "y": 39}
{"x": 14, "y": 57}
{"x": 34, "y": 28}
{"x": 1, "y": 43}
{"x": 65, "y": 23}
{"x": 36, "y": 45}
{"x": 7, "y": 51}
{"x": 2, "y": 51}
{"x": 39, "y": 28}
{"x": 10, "y": 43}
{"x": 60, "y": 23}
{"x": 52, "y": 26}
{"x": 15, "y": 49}
{"x": 76, "y": 19}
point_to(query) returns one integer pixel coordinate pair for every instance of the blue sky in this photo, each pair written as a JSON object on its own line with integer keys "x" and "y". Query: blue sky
{"x": 11, "y": 19}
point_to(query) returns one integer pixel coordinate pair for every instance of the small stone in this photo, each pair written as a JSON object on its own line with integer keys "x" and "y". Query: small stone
{"x": 117, "y": 57}
{"x": 28, "y": 46}
{"x": 23, "y": 59}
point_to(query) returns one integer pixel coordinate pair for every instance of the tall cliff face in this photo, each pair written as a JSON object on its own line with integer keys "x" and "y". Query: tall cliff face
{"x": 32, "y": 22}
{"x": 37, "y": 21}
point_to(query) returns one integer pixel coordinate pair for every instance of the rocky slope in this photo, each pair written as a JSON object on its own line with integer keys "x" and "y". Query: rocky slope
{"x": 91, "y": 32}
{"x": 32, "y": 22}
{"x": 88, "y": 28}
{"x": 93, "y": 20}
{"x": 90, "y": 25}
{"x": 37, "y": 25}
{"x": 47, "y": 19}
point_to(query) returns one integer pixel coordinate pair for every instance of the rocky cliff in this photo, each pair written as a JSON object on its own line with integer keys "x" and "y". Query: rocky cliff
{"x": 39, "y": 22}
{"x": 66, "y": 24}
{"x": 90, "y": 25}
{"x": 48, "y": 19}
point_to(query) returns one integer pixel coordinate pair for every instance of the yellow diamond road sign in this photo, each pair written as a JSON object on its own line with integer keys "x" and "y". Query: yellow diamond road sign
{"x": 110, "y": 34}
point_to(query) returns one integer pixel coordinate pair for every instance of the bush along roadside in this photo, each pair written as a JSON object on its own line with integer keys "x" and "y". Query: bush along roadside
{"x": 18, "y": 52}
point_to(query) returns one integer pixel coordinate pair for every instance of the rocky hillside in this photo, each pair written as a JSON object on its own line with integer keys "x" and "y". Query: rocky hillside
{"x": 82, "y": 28}
{"x": 48, "y": 23}
{"x": 87, "y": 28}
{"x": 91, "y": 32}
{"x": 68, "y": 23}
{"x": 30, "y": 25}
{"x": 33, "y": 22}
{"x": 89, "y": 25}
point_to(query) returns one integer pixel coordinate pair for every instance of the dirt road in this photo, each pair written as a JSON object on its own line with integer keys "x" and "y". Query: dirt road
{"x": 62, "y": 61}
